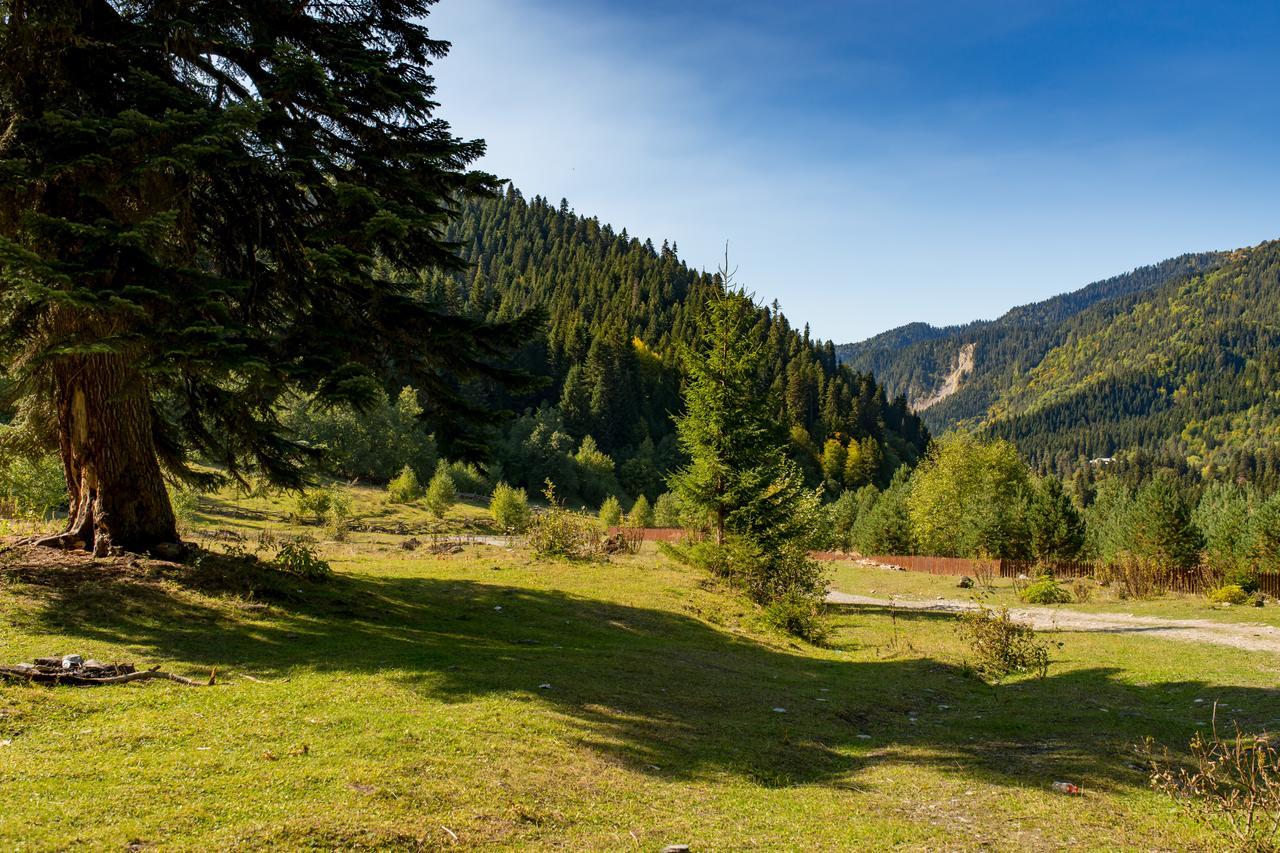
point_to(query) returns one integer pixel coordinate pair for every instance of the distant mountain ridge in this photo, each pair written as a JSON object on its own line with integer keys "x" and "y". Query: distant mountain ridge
{"x": 1176, "y": 359}
{"x": 915, "y": 359}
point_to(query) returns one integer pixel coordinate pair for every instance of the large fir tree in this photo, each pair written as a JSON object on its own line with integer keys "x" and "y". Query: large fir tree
{"x": 201, "y": 209}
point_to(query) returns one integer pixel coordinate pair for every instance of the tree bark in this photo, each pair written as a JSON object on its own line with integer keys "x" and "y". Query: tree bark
{"x": 117, "y": 494}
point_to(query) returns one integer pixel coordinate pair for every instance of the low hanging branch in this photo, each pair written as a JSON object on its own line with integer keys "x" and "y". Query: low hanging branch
{"x": 92, "y": 674}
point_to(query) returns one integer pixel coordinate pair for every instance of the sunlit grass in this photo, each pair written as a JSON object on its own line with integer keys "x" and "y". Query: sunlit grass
{"x": 507, "y": 702}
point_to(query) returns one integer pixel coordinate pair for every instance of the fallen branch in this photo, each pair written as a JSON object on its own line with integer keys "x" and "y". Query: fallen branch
{"x": 77, "y": 678}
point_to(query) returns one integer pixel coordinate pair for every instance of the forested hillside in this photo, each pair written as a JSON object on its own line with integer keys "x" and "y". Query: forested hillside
{"x": 917, "y": 359}
{"x": 1170, "y": 366}
{"x": 1187, "y": 373}
{"x": 620, "y": 310}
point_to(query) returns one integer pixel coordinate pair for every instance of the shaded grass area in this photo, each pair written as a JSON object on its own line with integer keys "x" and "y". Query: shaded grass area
{"x": 512, "y": 703}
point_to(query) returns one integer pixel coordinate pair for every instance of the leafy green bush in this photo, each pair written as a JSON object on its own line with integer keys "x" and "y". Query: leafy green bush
{"x": 1001, "y": 646}
{"x": 610, "y": 512}
{"x": 338, "y": 519}
{"x": 798, "y": 615}
{"x": 557, "y": 532}
{"x": 1228, "y": 594}
{"x": 1045, "y": 590}
{"x": 405, "y": 488}
{"x": 469, "y": 479}
{"x": 641, "y": 514}
{"x": 34, "y": 486}
{"x": 185, "y": 503}
{"x": 1244, "y": 576}
{"x": 330, "y": 505}
{"x": 441, "y": 492}
{"x": 311, "y": 506}
{"x": 733, "y": 560}
{"x": 666, "y": 510}
{"x": 299, "y": 559}
{"x": 510, "y": 508}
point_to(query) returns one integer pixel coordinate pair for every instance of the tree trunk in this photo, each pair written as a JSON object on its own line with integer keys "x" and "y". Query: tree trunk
{"x": 117, "y": 495}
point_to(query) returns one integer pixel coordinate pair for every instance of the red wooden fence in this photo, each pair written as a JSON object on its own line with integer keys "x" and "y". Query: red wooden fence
{"x": 1194, "y": 581}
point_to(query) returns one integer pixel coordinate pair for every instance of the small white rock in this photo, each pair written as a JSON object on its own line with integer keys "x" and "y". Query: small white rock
{"x": 544, "y": 686}
{"x": 779, "y": 710}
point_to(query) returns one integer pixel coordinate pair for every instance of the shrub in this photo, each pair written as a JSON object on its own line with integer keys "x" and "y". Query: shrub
{"x": 1233, "y": 786}
{"x": 766, "y": 577}
{"x": 1245, "y": 577}
{"x": 469, "y": 479}
{"x": 734, "y": 559}
{"x": 557, "y": 532}
{"x": 666, "y": 510}
{"x": 1134, "y": 577}
{"x": 405, "y": 488}
{"x": 641, "y": 514}
{"x": 185, "y": 503}
{"x": 34, "y": 485}
{"x": 441, "y": 492}
{"x": 798, "y": 615}
{"x": 1002, "y": 646}
{"x": 1045, "y": 590}
{"x": 610, "y": 512}
{"x": 297, "y": 558}
{"x": 330, "y": 506}
{"x": 1082, "y": 589}
{"x": 311, "y": 506}
{"x": 510, "y": 508}
{"x": 1228, "y": 594}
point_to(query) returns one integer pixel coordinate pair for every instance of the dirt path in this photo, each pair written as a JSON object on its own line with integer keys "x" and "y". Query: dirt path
{"x": 1254, "y": 638}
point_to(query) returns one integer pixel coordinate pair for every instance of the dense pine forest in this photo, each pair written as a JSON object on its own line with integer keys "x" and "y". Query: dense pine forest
{"x": 619, "y": 312}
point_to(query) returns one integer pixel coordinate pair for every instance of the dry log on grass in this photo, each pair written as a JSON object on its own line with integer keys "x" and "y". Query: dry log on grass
{"x": 94, "y": 674}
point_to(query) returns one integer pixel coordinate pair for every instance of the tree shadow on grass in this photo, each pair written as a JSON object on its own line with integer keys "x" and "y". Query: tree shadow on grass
{"x": 653, "y": 690}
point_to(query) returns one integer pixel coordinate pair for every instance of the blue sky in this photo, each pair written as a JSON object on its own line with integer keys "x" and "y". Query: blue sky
{"x": 875, "y": 163}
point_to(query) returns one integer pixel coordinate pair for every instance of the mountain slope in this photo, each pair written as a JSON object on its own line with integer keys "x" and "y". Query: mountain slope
{"x": 1175, "y": 365}
{"x": 917, "y": 360}
{"x": 620, "y": 310}
{"x": 1188, "y": 372}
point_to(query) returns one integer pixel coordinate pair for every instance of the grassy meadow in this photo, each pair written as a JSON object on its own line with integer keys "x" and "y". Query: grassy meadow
{"x": 489, "y": 700}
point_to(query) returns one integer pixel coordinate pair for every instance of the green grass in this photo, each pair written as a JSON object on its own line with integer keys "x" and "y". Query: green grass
{"x": 882, "y": 583}
{"x": 401, "y": 705}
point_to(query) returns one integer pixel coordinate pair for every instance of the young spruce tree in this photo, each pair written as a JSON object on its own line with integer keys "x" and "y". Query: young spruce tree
{"x": 203, "y": 207}
{"x": 739, "y": 473}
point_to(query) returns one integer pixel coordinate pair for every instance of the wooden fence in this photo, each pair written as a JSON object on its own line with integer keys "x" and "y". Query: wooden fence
{"x": 1194, "y": 581}
{"x": 654, "y": 534}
